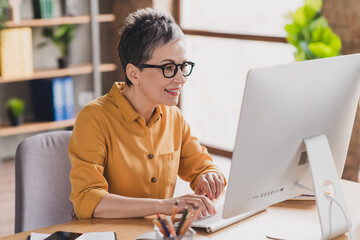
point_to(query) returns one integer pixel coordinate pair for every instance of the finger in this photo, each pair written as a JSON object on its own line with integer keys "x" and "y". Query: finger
{"x": 199, "y": 203}
{"x": 212, "y": 185}
{"x": 219, "y": 186}
{"x": 205, "y": 205}
{"x": 222, "y": 183}
{"x": 198, "y": 191}
{"x": 209, "y": 205}
{"x": 206, "y": 188}
{"x": 201, "y": 186}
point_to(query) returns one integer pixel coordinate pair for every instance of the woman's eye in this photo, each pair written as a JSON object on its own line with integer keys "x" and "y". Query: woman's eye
{"x": 169, "y": 67}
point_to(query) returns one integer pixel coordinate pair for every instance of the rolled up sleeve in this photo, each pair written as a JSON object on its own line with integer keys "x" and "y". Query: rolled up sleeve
{"x": 87, "y": 153}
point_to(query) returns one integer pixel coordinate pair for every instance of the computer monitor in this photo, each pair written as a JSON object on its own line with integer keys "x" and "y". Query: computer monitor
{"x": 291, "y": 115}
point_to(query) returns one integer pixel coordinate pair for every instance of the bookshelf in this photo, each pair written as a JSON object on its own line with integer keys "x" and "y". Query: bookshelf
{"x": 72, "y": 70}
{"x": 102, "y": 18}
{"x": 95, "y": 67}
{"x": 30, "y": 127}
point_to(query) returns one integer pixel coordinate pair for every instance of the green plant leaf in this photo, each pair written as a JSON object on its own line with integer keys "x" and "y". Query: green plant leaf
{"x": 335, "y": 43}
{"x": 293, "y": 28}
{"x": 299, "y": 16}
{"x": 310, "y": 13}
{"x": 319, "y": 22}
{"x": 320, "y": 49}
{"x": 16, "y": 106}
{"x": 310, "y": 33}
{"x": 60, "y": 36}
{"x": 4, "y": 4}
{"x": 293, "y": 39}
{"x": 315, "y": 4}
{"x": 304, "y": 15}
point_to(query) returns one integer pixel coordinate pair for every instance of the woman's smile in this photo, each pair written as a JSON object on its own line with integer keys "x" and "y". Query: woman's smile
{"x": 173, "y": 91}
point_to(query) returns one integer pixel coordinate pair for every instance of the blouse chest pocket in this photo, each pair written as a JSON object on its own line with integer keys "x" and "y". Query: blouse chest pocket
{"x": 170, "y": 166}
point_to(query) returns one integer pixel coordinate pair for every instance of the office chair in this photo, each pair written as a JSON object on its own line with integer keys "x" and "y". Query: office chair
{"x": 42, "y": 185}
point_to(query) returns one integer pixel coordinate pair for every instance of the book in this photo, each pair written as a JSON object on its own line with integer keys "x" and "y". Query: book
{"x": 37, "y": 7}
{"x": 16, "y": 55}
{"x": 68, "y": 92}
{"x": 48, "y": 99}
{"x": 49, "y": 9}
{"x": 26, "y": 52}
{"x": 9, "y": 54}
{"x": 53, "y": 99}
{"x": 43, "y": 8}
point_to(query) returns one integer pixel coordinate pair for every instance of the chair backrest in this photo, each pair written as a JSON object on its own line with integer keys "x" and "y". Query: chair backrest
{"x": 42, "y": 188}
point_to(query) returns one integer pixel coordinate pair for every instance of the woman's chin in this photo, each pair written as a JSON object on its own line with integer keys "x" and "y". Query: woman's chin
{"x": 171, "y": 103}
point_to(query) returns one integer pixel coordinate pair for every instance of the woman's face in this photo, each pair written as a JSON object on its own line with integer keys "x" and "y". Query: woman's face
{"x": 156, "y": 88}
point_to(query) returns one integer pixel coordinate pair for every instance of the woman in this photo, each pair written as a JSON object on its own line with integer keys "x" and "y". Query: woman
{"x": 129, "y": 145}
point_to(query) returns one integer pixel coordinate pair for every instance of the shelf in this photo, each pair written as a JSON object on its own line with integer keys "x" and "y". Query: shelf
{"x": 60, "y": 20}
{"x": 35, "y": 127}
{"x": 61, "y": 72}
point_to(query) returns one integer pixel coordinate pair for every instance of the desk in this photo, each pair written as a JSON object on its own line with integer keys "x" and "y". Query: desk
{"x": 255, "y": 227}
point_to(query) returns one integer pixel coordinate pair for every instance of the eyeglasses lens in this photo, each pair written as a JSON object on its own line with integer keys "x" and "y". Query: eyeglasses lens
{"x": 186, "y": 69}
{"x": 169, "y": 70}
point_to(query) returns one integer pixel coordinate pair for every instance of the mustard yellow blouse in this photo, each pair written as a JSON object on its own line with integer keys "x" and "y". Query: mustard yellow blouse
{"x": 113, "y": 150}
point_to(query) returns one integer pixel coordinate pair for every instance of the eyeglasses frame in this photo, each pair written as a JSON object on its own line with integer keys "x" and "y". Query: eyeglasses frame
{"x": 162, "y": 67}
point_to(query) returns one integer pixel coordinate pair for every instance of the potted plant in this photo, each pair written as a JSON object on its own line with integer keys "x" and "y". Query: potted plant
{"x": 310, "y": 34}
{"x": 61, "y": 37}
{"x": 4, "y": 8}
{"x": 15, "y": 109}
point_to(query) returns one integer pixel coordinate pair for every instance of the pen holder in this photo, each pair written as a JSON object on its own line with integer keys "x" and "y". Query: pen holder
{"x": 189, "y": 235}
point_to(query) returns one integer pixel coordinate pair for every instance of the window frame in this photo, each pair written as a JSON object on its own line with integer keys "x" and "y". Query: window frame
{"x": 177, "y": 15}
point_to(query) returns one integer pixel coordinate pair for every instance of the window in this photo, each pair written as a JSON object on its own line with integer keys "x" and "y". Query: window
{"x": 225, "y": 39}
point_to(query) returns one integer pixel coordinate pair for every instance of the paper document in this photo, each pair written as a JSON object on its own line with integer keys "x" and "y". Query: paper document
{"x": 97, "y": 236}
{"x": 85, "y": 236}
{"x": 38, "y": 236}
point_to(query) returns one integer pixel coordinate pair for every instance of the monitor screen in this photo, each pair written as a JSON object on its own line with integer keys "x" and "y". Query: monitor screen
{"x": 281, "y": 106}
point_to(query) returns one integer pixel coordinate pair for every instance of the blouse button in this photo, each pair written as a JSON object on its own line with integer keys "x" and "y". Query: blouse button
{"x": 150, "y": 156}
{"x": 153, "y": 179}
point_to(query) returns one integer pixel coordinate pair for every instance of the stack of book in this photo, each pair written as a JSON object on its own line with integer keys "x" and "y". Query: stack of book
{"x": 53, "y": 99}
{"x": 43, "y": 8}
{"x": 16, "y": 53}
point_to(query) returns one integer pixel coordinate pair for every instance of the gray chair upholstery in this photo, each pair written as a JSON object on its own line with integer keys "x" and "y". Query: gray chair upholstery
{"x": 42, "y": 189}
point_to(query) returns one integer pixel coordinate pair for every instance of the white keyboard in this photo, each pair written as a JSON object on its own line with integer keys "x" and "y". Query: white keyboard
{"x": 206, "y": 221}
{"x": 216, "y": 222}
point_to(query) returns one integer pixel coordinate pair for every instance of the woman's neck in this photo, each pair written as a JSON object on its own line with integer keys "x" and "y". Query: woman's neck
{"x": 140, "y": 106}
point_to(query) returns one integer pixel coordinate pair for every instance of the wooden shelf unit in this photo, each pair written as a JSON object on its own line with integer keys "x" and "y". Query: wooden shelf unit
{"x": 34, "y": 127}
{"x": 60, "y": 20}
{"x": 61, "y": 72}
{"x": 93, "y": 19}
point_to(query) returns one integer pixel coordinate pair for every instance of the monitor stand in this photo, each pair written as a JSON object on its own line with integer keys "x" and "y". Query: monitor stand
{"x": 326, "y": 181}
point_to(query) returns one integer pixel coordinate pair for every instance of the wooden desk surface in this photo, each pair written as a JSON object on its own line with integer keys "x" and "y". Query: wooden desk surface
{"x": 255, "y": 227}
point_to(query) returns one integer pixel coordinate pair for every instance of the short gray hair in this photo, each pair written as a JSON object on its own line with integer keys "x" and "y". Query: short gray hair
{"x": 144, "y": 31}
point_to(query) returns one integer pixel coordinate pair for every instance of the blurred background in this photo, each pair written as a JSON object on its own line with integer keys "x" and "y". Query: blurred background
{"x": 224, "y": 38}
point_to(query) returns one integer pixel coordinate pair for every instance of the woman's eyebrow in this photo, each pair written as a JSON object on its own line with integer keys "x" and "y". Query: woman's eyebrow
{"x": 172, "y": 61}
{"x": 168, "y": 60}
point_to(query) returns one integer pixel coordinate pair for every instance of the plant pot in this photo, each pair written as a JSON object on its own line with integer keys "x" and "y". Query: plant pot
{"x": 63, "y": 62}
{"x": 15, "y": 120}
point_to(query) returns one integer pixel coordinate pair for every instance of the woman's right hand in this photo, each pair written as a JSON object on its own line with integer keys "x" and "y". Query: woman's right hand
{"x": 203, "y": 203}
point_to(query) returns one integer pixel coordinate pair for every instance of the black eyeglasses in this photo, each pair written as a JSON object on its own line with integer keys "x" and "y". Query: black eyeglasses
{"x": 170, "y": 69}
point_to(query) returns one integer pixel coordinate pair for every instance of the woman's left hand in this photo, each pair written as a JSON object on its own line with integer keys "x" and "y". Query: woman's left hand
{"x": 210, "y": 184}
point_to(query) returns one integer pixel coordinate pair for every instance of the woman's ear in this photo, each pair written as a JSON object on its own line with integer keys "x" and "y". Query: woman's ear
{"x": 132, "y": 72}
